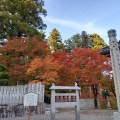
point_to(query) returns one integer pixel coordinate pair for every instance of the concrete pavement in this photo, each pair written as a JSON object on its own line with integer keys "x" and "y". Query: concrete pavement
{"x": 70, "y": 115}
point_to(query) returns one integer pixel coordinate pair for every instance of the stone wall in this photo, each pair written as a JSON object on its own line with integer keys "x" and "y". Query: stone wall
{"x": 86, "y": 104}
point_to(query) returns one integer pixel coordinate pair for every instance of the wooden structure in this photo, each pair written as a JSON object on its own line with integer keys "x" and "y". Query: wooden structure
{"x": 62, "y": 100}
{"x": 106, "y": 50}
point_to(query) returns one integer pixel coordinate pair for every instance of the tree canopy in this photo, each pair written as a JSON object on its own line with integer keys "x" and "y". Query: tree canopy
{"x": 88, "y": 67}
{"x": 17, "y": 54}
{"x": 74, "y": 42}
{"x": 55, "y": 41}
{"x": 84, "y": 40}
{"x": 20, "y": 18}
{"x": 97, "y": 42}
{"x": 44, "y": 70}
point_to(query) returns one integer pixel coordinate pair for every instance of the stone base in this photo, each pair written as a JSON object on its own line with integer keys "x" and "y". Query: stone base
{"x": 116, "y": 115}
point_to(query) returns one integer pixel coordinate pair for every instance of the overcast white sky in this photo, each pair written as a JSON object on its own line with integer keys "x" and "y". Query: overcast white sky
{"x": 74, "y": 16}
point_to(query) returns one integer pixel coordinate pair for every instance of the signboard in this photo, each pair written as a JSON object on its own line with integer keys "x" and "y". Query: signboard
{"x": 30, "y": 99}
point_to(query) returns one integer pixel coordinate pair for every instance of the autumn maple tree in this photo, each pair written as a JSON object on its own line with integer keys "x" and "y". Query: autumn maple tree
{"x": 88, "y": 67}
{"x": 65, "y": 75}
{"x": 17, "y": 54}
{"x": 44, "y": 70}
{"x": 83, "y": 65}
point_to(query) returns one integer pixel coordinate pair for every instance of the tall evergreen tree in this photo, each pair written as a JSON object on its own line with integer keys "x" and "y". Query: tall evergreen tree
{"x": 73, "y": 42}
{"x": 86, "y": 40}
{"x": 4, "y": 76}
{"x": 20, "y": 18}
{"x": 78, "y": 41}
{"x": 55, "y": 41}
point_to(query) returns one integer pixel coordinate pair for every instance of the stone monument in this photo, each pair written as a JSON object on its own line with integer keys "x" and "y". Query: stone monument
{"x": 115, "y": 59}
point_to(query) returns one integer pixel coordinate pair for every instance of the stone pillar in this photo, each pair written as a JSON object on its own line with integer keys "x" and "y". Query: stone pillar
{"x": 53, "y": 104}
{"x": 108, "y": 102}
{"x": 115, "y": 58}
{"x": 98, "y": 102}
{"x": 77, "y": 108}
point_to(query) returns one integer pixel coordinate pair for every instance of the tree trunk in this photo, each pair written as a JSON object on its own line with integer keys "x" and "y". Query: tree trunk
{"x": 113, "y": 89}
{"x": 95, "y": 93}
{"x": 95, "y": 102}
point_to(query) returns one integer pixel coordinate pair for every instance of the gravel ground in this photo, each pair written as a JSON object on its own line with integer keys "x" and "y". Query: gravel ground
{"x": 70, "y": 115}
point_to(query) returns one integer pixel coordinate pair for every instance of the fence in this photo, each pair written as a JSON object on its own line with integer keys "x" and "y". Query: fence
{"x": 12, "y": 97}
{"x": 15, "y": 94}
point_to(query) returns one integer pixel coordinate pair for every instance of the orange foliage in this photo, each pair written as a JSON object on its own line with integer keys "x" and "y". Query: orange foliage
{"x": 65, "y": 73}
{"x": 82, "y": 64}
{"x": 17, "y": 55}
{"x": 33, "y": 81}
{"x": 44, "y": 70}
{"x": 88, "y": 65}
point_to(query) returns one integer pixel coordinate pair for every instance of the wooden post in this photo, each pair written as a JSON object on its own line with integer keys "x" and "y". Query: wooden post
{"x": 30, "y": 99}
{"x": 29, "y": 112}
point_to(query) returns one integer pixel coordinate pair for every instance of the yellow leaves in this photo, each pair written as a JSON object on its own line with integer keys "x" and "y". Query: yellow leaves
{"x": 55, "y": 41}
{"x": 29, "y": 2}
{"x": 98, "y": 42}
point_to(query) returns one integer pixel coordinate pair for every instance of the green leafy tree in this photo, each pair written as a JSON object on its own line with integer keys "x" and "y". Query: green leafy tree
{"x": 73, "y": 42}
{"x": 86, "y": 40}
{"x": 4, "y": 76}
{"x": 55, "y": 41}
{"x": 82, "y": 40}
{"x": 97, "y": 41}
{"x": 21, "y": 18}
